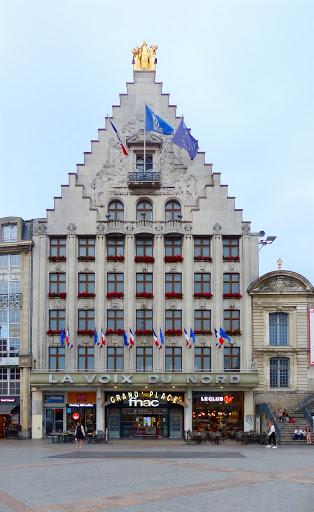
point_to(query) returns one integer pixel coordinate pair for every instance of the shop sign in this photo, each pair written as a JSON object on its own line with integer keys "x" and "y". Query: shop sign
{"x": 76, "y": 416}
{"x": 57, "y": 399}
{"x": 132, "y": 398}
{"x": 7, "y": 400}
{"x": 226, "y": 399}
{"x": 81, "y": 405}
{"x": 149, "y": 379}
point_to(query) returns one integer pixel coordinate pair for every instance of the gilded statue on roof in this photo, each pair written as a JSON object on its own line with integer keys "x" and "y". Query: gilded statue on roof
{"x": 144, "y": 58}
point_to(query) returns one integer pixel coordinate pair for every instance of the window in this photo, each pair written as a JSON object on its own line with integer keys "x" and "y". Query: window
{"x": 202, "y": 248}
{"x": 231, "y": 283}
{"x": 115, "y": 283}
{"x": 86, "y": 283}
{"x": 56, "y": 358}
{"x": 279, "y": 372}
{"x": 173, "y": 320}
{"x": 232, "y": 359}
{"x": 230, "y": 248}
{"x": 144, "y": 283}
{"x": 56, "y": 320}
{"x": 115, "y": 358}
{"x": 173, "y": 359}
{"x": 173, "y": 283}
{"x": 86, "y": 320}
{"x": 144, "y": 211}
{"x": 9, "y": 347}
{"x": 57, "y": 283}
{"x": 9, "y": 381}
{"x": 140, "y": 163}
{"x": 278, "y": 329}
{"x": 58, "y": 247}
{"x": 116, "y": 210}
{"x": 115, "y": 247}
{"x": 144, "y": 359}
{"x": 173, "y": 246}
{"x": 202, "y": 321}
{"x": 144, "y": 320}
{"x": 144, "y": 246}
{"x": 173, "y": 210}
{"x": 4, "y": 381}
{"x": 202, "y": 283}
{"x": 202, "y": 359}
{"x": 86, "y": 247}
{"x": 9, "y": 233}
{"x": 85, "y": 358}
{"x": 231, "y": 320}
{"x": 114, "y": 319}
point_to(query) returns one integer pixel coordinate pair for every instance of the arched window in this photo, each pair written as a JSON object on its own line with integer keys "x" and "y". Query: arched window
{"x": 144, "y": 211}
{"x": 116, "y": 210}
{"x": 173, "y": 210}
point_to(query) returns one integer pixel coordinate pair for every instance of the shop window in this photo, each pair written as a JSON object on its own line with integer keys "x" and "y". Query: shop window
{"x": 232, "y": 321}
{"x": 86, "y": 247}
{"x": 173, "y": 246}
{"x": 144, "y": 247}
{"x": 230, "y": 248}
{"x": 57, "y": 283}
{"x": 173, "y": 320}
{"x": 144, "y": 284}
{"x": 58, "y": 247}
{"x": 278, "y": 329}
{"x": 116, "y": 210}
{"x": 56, "y": 358}
{"x": 144, "y": 320}
{"x": 202, "y": 321}
{"x": 144, "y": 211}
{"x": 231, "y": 359}
{"x": 279, "y": 372}
{"x": 173, "y": 284}
{"x": 231, "y": 283}
{"x": 202, "y": 359}
{"x": 9, "y": 233}
{"x": 115, "y": 359}
{"x": 173, "y": 210}
{"x": 202, "y": 248}
{"x": 86, "y": 320}
{"x": 86, "y": 283}
{"x": 115, "y": 283}
{"x": 86, "y": 358}
{"x": 173, "y": 357}
{"x": 140, "y": 163}
{"x": 202, "y": 283}
{"x": 144, "y": 359}
{"x": 114, "y": 319}
{"x": 56, "y": 320}
{"x": 115, "y": 247}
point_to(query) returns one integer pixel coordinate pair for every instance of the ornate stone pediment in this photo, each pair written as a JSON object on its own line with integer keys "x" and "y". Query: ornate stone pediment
{"x": 281, "y": 282}
{"x": 138, "y": 138}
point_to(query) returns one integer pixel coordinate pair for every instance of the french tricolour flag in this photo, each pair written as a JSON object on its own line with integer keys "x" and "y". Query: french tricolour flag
{"x": 155, "y": 339}
{"x": 120, "y": 140}
{"x": 187, "y": 339}
{"x": 67, "y": 337}
{"x": 131, "y": 339}
{"x": 221, "y": 337}
{"x": 102, "y": 339}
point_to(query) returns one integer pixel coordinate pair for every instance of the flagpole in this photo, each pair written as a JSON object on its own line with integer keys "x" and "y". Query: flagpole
{"x": 132, "y": 163}
{"x": 145, "y": 139}
{"x": 169, "y": 140}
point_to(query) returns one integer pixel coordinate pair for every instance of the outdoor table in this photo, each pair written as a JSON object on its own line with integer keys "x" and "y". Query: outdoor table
{"x": 60, "y": 436}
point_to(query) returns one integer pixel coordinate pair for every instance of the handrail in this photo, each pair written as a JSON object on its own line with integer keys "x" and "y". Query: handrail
{"x": 265, "y": 408}
{"x": 306, "y": 412}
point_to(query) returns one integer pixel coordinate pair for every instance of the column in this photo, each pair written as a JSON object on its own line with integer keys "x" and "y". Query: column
{"x": 100, "y": 291}
{"x": 71, "y": 302}
{"x": 129, "y": 300}
{"x": 100, "y": 411}
{"x": 159, "y": 300}
{"x": 249, "y": 411}
{"x": 217, "y": 305}
{"x": 188, "y": 410}
{"x": 188, "y": 301}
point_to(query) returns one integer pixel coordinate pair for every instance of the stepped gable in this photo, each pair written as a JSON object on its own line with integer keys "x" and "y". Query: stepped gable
{"x": 281, "y": 281}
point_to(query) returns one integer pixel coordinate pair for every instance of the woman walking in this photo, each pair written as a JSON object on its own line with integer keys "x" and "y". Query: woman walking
{"x": 79, "y": 434}
{"x": 271, "y": 436}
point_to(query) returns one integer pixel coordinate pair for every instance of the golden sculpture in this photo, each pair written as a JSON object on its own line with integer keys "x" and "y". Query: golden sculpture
{"x": 279, "y": 263}
{"x": 144, "y": 58}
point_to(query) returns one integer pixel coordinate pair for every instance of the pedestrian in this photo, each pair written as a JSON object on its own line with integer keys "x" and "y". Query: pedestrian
{"x": 79, "y": 434}
{"x": 307, "y": 435}
{"x": 271, "y": 436}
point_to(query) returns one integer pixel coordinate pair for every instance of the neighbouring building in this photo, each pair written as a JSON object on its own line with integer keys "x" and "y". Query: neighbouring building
{"x": 15, "y": 326}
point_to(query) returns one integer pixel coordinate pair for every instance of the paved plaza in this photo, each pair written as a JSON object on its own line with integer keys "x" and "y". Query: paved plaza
{"x": 163, "y": 475}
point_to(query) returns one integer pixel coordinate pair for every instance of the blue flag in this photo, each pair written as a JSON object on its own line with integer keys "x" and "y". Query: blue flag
{"x": 95, "y": 337}
{"x": 62, "y": 337}
{"x": 192, "y": 335}
{"x": 223, "y": 334}
{"x": 184, "y": 139}
{"x": 154, "y": 123}
{"x": 125, "y": 339}
{"x": 161, "y": 337}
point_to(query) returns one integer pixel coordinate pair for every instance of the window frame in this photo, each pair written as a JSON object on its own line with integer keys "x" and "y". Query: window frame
{"x": 115, "y": 318}
{"x": 171, "y": 212}
{"x": 59, "y": 319}
{"x": 233, "y": 357}
{"x": 173, "y": 282}
{"x": 85, "y": 355}
{"x": 173, "y": 355}
{"x": 59, "y": 356}
{"x": 281, "y": 331}
{"x": 172, "y": 245}
{"x": 229, "y": 284}
{"x": 234, "y": 320}
{"x": 202, "y": 323}
{"x": 86, "y": 246}
{"x": 280, "y": 378}
{"x": 146, "y": 283}
{"x": 59, "y": 285}
{"x": 59, "y": 247}
{"x": 171, "y": 322}
{"x": 199, "y": 354}
{"x": 202, "y": 280}
{"x": 202, "y": 249}
{"x": 86, "y": 319}
{"x": 144, "y": 213}
{"x": 117, "y": 284}
{"x": 86, "y": 282}
{"x": 115, "y": 245}
{"x": 115, "y": 354}
{"x": 231, "y": 247}
{"x": 146, "y": 356}
{"x": 116, "y": 213}
{"x": 147, "y": 248}
{"x": 144, "y": 316}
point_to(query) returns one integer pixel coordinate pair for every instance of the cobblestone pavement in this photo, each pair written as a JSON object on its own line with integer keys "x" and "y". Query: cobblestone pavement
{"x": 161, "y": 475}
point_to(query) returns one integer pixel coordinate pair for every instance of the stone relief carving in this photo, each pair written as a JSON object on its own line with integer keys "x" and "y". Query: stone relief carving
{"x": 173, "y": 304}
{"x": 71, "y": 228}
{"x": 134, "y": 125}
{"x": 57, "y": 267}
{"x": 42, "y": 228}
{"x": 101, "y": 228}
{"x": 231, "y": 305}
{"x": 113, "y": 174}
{"x": 281, "y": 284}
{"x": 217, "y": 227}
{"x": 173, "y": 341}
{"x": 246, "y": 228}
{"x": 57, "y": 304}
{"x": 86, "y": 266}
{"x": 231, "y": 267}
{"x": 115, "y": 267}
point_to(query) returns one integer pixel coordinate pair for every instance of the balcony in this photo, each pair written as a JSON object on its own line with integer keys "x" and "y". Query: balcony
{"x": 144, "y": 179}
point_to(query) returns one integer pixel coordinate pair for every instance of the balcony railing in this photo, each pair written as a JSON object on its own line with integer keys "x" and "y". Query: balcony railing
{"x": 144, "y": 178}
{"x": 12, "y": 300}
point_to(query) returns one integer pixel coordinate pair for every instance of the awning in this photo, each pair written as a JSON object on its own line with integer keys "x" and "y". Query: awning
{"x": 7, "y": 408}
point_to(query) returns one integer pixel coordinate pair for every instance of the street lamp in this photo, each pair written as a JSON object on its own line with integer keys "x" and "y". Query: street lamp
{"x": 269, "y": 240}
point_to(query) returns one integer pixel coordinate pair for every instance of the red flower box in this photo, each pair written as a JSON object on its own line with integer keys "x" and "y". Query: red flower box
{"x": 53, "y": 333}
{"x": 203, "y": 295}
{"x": 232, "y": 296}
{"x": 86, "y": 258}
{"x": 237, "y": 332}
{"x": 85, "y": 332}
{"x": 85, "y": 295}
{"x": 173, "y": 332}
{"x": 173, "y": 295}
{"x": 144, "y": 295}
{"x": 61, "y": 295}
{"x": 115, "y": 295}
{"x": 204, "y": 333}
{"x": 57, "y": 258}
{"x": 144, "y": 332}
{"x": 115, "y": 258}
{"x": 203, "y": 258}
{"x": 144, "y": 259}
{"x": 173, "y": 259}
{"x": 118, "y": 332}
{"x": 231, "y": 258}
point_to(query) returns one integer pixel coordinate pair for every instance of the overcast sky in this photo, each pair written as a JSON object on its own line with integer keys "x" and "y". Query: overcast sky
{"x": 241, "y": 72}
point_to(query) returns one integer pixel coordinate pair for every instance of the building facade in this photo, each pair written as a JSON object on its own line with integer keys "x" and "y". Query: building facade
{"x": 148, "y": 243}
{"x": 15, "y": 326}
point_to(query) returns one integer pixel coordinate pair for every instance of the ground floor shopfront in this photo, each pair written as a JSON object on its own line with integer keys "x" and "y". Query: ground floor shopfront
{"x": 9, "y": 416}
{"x": 142, "y": 405}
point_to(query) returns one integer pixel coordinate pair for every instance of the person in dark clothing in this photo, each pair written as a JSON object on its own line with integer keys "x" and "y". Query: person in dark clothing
{"x": 79, "y": 435}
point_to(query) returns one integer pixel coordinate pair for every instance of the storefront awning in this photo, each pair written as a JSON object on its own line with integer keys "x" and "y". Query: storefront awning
{"x": 7, "y": 408}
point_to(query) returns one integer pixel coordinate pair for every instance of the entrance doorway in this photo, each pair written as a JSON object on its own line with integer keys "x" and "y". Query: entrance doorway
{"x": 53, "y": 420}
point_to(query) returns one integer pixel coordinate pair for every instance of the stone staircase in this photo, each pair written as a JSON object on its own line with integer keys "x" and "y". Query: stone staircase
{"x": 287, "y": 429}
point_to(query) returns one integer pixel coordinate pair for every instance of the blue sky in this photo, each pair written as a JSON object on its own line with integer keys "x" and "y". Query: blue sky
{"x": 241, "y": 72}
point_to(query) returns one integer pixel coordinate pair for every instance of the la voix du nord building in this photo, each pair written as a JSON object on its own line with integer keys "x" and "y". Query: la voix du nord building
{"x": 147, "y": 244}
